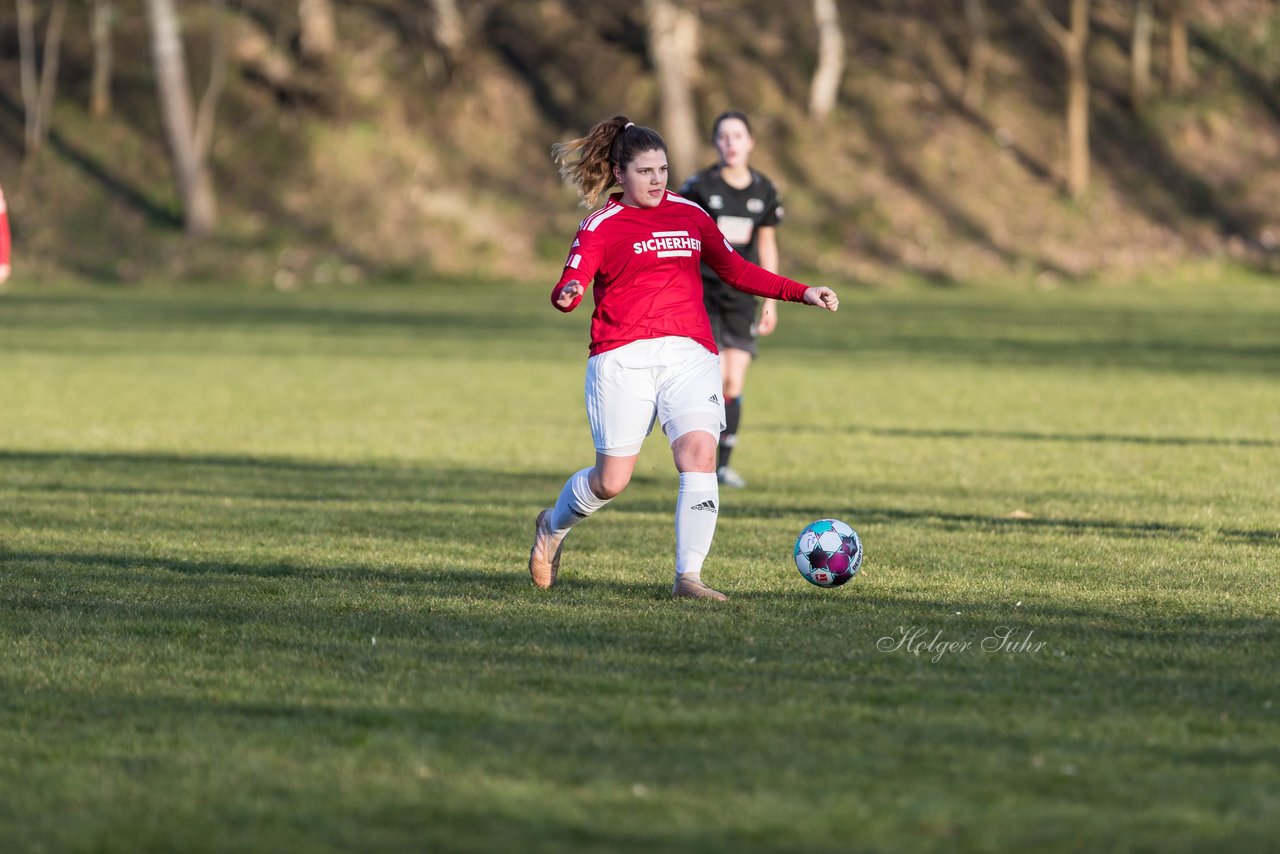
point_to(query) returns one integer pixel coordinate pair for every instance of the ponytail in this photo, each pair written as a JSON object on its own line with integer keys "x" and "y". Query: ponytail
{"x": 612, "y": 142}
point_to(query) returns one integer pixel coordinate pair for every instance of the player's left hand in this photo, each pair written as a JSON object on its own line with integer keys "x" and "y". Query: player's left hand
{"x": 768, "y": 317}
{"x": 823, "y": 298}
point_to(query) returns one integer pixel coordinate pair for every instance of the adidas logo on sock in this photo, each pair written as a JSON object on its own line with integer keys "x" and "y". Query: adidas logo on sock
{"x": 706, "y": 505}
{"x": 714, "y": 398}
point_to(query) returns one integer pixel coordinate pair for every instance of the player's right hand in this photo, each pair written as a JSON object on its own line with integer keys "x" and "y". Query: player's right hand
{"x": 572, "y": 291}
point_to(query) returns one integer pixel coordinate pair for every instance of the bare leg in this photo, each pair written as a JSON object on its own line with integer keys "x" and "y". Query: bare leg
{"x": 611, "y": 474}
{"x": 695, "y": 451}
{"x": 733, "y": 368}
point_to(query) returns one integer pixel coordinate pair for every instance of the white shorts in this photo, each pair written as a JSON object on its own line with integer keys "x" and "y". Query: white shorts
{"x": 673, "y": 380}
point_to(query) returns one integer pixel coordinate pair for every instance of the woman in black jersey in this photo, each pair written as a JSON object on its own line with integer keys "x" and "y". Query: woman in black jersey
{"x": 745, "y": 205}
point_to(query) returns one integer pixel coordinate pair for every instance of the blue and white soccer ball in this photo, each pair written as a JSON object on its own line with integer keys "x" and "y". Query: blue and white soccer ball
{"x": 828, "y": 553}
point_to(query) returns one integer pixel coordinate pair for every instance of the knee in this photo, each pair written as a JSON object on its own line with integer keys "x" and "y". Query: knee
{"x": 695, "y": 451}
{"x": 608, "y": 485}
{"x": 732, "y": 388}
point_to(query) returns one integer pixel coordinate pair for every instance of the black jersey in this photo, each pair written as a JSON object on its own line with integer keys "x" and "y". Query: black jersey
{"x": 739, "y": 213}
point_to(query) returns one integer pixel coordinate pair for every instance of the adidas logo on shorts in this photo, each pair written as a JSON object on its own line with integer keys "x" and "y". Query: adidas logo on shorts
{"x": 714, "y": 398}
{"x": 706, "y": 505}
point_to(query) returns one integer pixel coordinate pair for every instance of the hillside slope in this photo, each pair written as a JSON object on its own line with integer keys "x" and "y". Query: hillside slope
{"x": 390, "y": 162}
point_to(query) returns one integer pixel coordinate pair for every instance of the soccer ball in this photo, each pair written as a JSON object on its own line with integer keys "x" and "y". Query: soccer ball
{"x": 828, "y": 553}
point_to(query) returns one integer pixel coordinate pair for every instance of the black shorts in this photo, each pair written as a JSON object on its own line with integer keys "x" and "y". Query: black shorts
{"x": 733, "y": 316}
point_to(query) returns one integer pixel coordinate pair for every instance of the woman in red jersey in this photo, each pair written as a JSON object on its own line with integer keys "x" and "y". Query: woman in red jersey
{"x": 652, "y": 354}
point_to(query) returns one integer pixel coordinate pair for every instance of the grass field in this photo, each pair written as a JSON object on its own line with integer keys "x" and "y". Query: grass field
{"x": 262, "y": 580}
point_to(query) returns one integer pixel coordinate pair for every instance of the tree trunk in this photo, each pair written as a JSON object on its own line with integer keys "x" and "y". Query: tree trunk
{"x": 1140, "y": 55}
{"x": 449, "y": 32}
{"x": 189, "y": 135}
{"x": 825, "y": 88}
{"x": 1073, "y": 43}
{"x": 1179, "y": 63}
{"x": 449, "y": 35}
{"x": 318, "y": 30}
{"x": 975, "y": 15}
{"x": 49, "y": 73}
{"x": 38, "y": 92}
{"x": 1078, "y": 101}
{"x": 27, "y": 71}
{"x": 100, "y": 90}
{"x": 673, "y": 45}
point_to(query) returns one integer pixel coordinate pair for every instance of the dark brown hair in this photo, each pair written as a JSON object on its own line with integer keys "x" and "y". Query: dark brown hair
{"x": 730, "y": 114}
{"x": 612, "y": 142}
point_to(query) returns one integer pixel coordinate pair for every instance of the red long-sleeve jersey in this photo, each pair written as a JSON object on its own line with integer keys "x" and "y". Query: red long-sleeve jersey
{"x": 4, "y": 232}
{"x": 645, "y": 265}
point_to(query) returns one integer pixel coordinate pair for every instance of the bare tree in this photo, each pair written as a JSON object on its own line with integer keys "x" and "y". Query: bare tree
{"x": 673, "y": 45}
{"x": 825, "y": 87}
{"x": 975, "y": 78}
{"x": 38, "y": 93}
{"x": 1179, "y": 62}
{"x": 1072, "y": 41}
{"x": 190, "y": 135}
{"x": 1140, "y": 54}
{"x": 27, "y": 67}
{"x": 449, "y": 31}
{"x": 100, "y": 30}
{"x": 319, "y": 33}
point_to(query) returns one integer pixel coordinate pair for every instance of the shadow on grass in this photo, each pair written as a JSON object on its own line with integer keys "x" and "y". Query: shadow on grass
{"x": 176, "y": 572}
{"x": 1165, "y": 351}
{"x": 1093, "y": 527}
{"x": 426, "y": 507}
{"x": 1025, "y": 436}
{"x": 517, "y": 323}
{"x": 472, "y": 669}
{"x": 422, "y": 323}
{"x": 997, "y": 524}
{"x": 269, "y": 478}
{"x": 141, "y": 312}
{"x": 590, "y": 688}
{"x": 1021, "y": 334}
{"x": 752, "y": 628}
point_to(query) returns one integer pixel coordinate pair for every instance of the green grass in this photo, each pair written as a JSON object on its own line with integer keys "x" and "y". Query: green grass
{"x": 262, "y": 580}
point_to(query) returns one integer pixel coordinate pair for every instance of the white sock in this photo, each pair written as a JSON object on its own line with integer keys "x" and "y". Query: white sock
{"x": 697, "y": 508}
{"x": 576, "y": 502}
